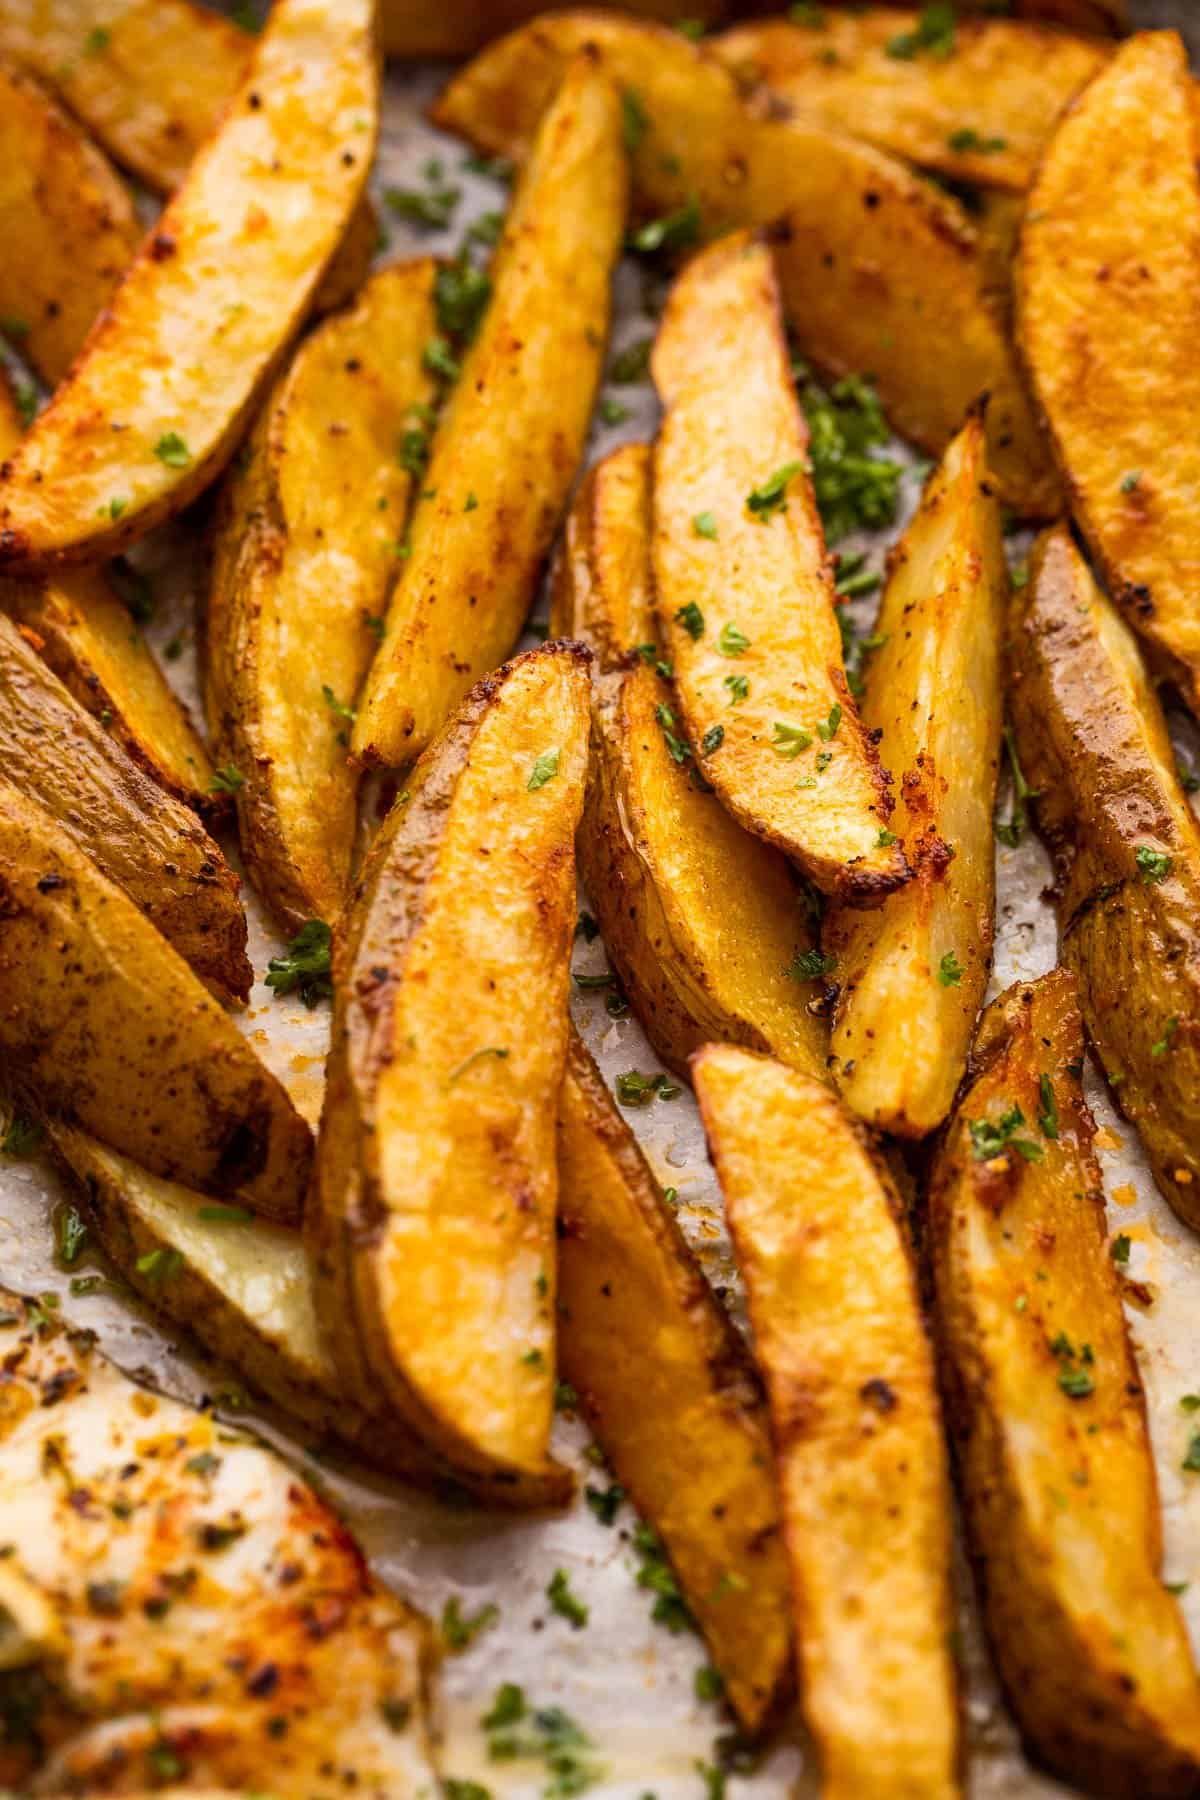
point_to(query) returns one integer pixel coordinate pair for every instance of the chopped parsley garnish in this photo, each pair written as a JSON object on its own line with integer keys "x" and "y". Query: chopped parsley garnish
{"x": 432, "y": 207}
{"x": 217, "y": 1214}
{"x": 827, "y": 729}
{"x": 655, "y": 1573}
{"x": 1012, "y": 831}
{"x": 712, "y": 740}
{"x": 26, "y": 397}
{"x": 612, "y": 412}
{"x": 739, "y": 688}
{"x": 811, "y": 965}
{"x": 705, "y": 525}
{"x": 1120, "y": 1248}
{"x": 636, "y": 1089}
{"x": 70, "y": 1236}
{"x": 1191, "y": 1461}
{"x": 853, "y": 488}
{"x": 461, "y": 293}
{"x": 1129, "y": 482}
{"x": 457, "y": 1630}
{"x": 885, "y": 839}
{"x": 708, "y": 1683}
{"x": 934, "y": 33}
{"x": 990, "y": 1137}
{"x": 631, "y": 364}
{"x": 562, "y": 1601}
{"x": 692, "y": 620}
{"x": 692, "y": 29}
{"x": 790, "y": 740}
{"x": 172, "y": 450}
{"x": 226, "y": 780}
{"x": 770, "y": 496}
{"x": 732, "y": 642}
{"x": 508, "y": 1708}
{"x": 499, "y": 1051}
{"x": 305, "y": 965}
{"x": 635, "y": 120}
{"x": 805, "y": 13}
{"x": 677, "y": 749}
{"x": 1170, "y": 1027}
{"x": 605, "y": 1502}
{"x": 203, "y": 1463}
{"x": 1153, "y": 865}
{"x": 412, "y": 449}
{"x": 1077, "y": 1384}
{"x": 1074, "y": 1378}
{"x": 674, "y": 231}
{"x": 950, "y": 970}
{"x": 968, "y": 139}
{"x": 440, "y": 359}
{"x": 1048, "y": 1111}
{"x": 159, "y": 1265}
{"x": 545, "y": 768}
{"x": 565, "y": 1397}
{"x": 97, "y": 39}
{"x": 20, "y": 1137}
{"x": 340, "y": 710}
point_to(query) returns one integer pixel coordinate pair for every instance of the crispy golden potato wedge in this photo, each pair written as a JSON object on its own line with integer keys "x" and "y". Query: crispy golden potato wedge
{"x": 244, "y": 1288}
{"x": 210, "y": 300}
{"x": 432, "y": 1215}
{"x": 983, "y": 114}
{"x": 1108, "y": 307}
{"x": 912, "y": 974}
{"x": 744, "y": 586}
{"x": 669, "y": 1390}
{"x": 304, "y": 555}
{"x": 702, "y": 952}
{"x": 68, "y": 226}
{"x": 1048, "y": 1420}
{"x": 102, "y": 1018}
{"x": 512, "y": 432}
{"x": 819, "y": 1236}
{"x": 145, "y": 842}
{"x": 1093, "y": 744}
{"x": 148, "y": 78}
{"x": 880, "y": 273}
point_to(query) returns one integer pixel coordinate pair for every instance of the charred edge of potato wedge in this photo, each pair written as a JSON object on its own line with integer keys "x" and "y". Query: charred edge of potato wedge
{"x": 215, "y": 299}
{"x": 103, "y": 1018}
{"x": 700, "y": 954}
{"x": 1094, "y": 746}
{"x": 411, "y": 923}
{"x": 912, "y": 975}
{"x": 820, "y": 1238}
{"x": 150, "y": 845}
{"x": 646, "y": 1346}
{"x": 732, "y": 426}
{"x": 307, "y": 527}
{"x": 1047, "y": 1416}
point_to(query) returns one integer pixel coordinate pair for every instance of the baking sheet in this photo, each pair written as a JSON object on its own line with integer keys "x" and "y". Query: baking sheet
{"x": 626, "y": 1681}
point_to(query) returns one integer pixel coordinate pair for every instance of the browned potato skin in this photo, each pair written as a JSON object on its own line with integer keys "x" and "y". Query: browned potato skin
{"x": 304, "y": 554}
{"x": 102, "y": 1018}
{"x": 879, "y": 271}
{"x": 1093, "y": 742}
{"x": 430, "y": 28}
{"x": 701, "y": 920}
{"x": 670, "y": 1392}
{"x": 218, "y": 287}
{"x": 434, "y": 975}
{"x": 1006, "y": 81}
{"x": 1108, "y": 307}
{"x": 820, "y": 1237}
{"x": 1059, "y": 1491}
{"x": 147, "y": 843}
{"x": 68, "y": 226}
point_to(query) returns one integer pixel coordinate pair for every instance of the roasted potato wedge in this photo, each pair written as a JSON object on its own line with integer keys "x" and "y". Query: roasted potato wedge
{"x": 912, "y": 974}
{"x": 1048, "y": 1420}
{"x": 141, "y": 839}
{"x": 839, "y": 1336}
{"x": 982, "y": 114}
{"x": 304, "y": 555}
{"x": 244, "y": 1288}
{"x": 669, "y": 1390}
{"x": 702, "y": 953}
{"x": 744, "y": 586}
{"x": 1108, "y": 307}
{"x": 1093, "y": 744}
{"x": 880, "y": 273}
{"x": 103, "y": 1019}
{"x": 512, "y": 432}
{"x": 208, "y": 303}
{"x": 68, "y": 226}
{"x": 181, "y": 1559}
{"x": 432, "y": 1216}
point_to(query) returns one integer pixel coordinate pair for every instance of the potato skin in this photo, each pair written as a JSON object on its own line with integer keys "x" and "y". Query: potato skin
{"x": 432, "y": 1217}
{"x": 1108, "y": 308}
{"x": 141, "y": 839}
{"x": 702, "y": 952}
{"x": 304, "y": 555}
{"x": 1094, "y": 745}
{"x": 822, "y": 1244}
{"x": 214, "y": 293}
{"x": 512, "y": 431}
{"x": 878, "y": 270}
{"x": 1050, "y": 1437}
{"x": 100, "y": 1016}
{"x": 667, "y": 1386}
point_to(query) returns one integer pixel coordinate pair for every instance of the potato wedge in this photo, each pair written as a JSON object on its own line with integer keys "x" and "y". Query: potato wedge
{"x": 668, "y": 1388}
{"x": 512, "y": 431}
{"x": 103, "y": 1019}
{"x": 304, "y": 555}
{"x": 1048, "y": 1420}
{"x": 68, "y": 226}
{"x": 912, "y": 975}
{"x": 1093, "y": 743}
{"x": 209, "y": 302}
{"x": 702, "y": 952}
{"x": 431, "y": 28}
{"x": 744, "y": 586}
{"x": 145, "y": 842}
{"x": 244, "y": 1288}
{"x": 432, "y": 1215}
{"x": 880, "y": 273}
{"x": 983, "y": 113}
{"x": 1108, "y": 306}
{"x": 819, "y": 1236}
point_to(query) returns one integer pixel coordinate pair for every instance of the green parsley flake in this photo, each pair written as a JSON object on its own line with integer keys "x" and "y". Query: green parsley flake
{"x": 705, "y": 525}
{"x": 432, "y": 208}
{"x": 605, "y": 1502}
{"x": 1153, "y": 865}
{"x": 770, "y": 496}
{"x": 1012, "y": 831}
{"x": 1120, "y": 1248}
{"x": 811, "y": 965}
{"x": 305, "y": 966}
{"x": 732, "y": 642}
{"x": 1170, "y": 1027}
{"x": 544, "y": 769}
{"x": 499, "y": 1051}
{"x": 990, "y": 1137}
{"x": 1048, "y": 1112}
{"x": 950, "y": 970}
{"x": 632, "y": 364}
{"x": 739, "y": 688}
{"x": 712, "y": 740}
{"x": 226, "y": 780}
{"x": 674, "y": 231}
{"x": 970, "y": 140}
{"x": 636, "y": 1089}
{"x": 692, "y": 620}
{"x": 789, "y": 740}
{"x": 172, "y": 450}
{"x": 562, "y": 1601}
{"x": 828, "y": 728}
{"x": 934, "y": 33}
{"x": 159, "y": 1265}
{"x": 70, "y": 1235}
{"x": 854, "y": 489}
{"x": 635, "y": 120}
{"x": 458, "y": 1631}
{"x": 461, "y": 294}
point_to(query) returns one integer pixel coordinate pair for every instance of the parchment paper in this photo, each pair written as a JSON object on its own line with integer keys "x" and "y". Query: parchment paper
{"x": 626, "y": 1681}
